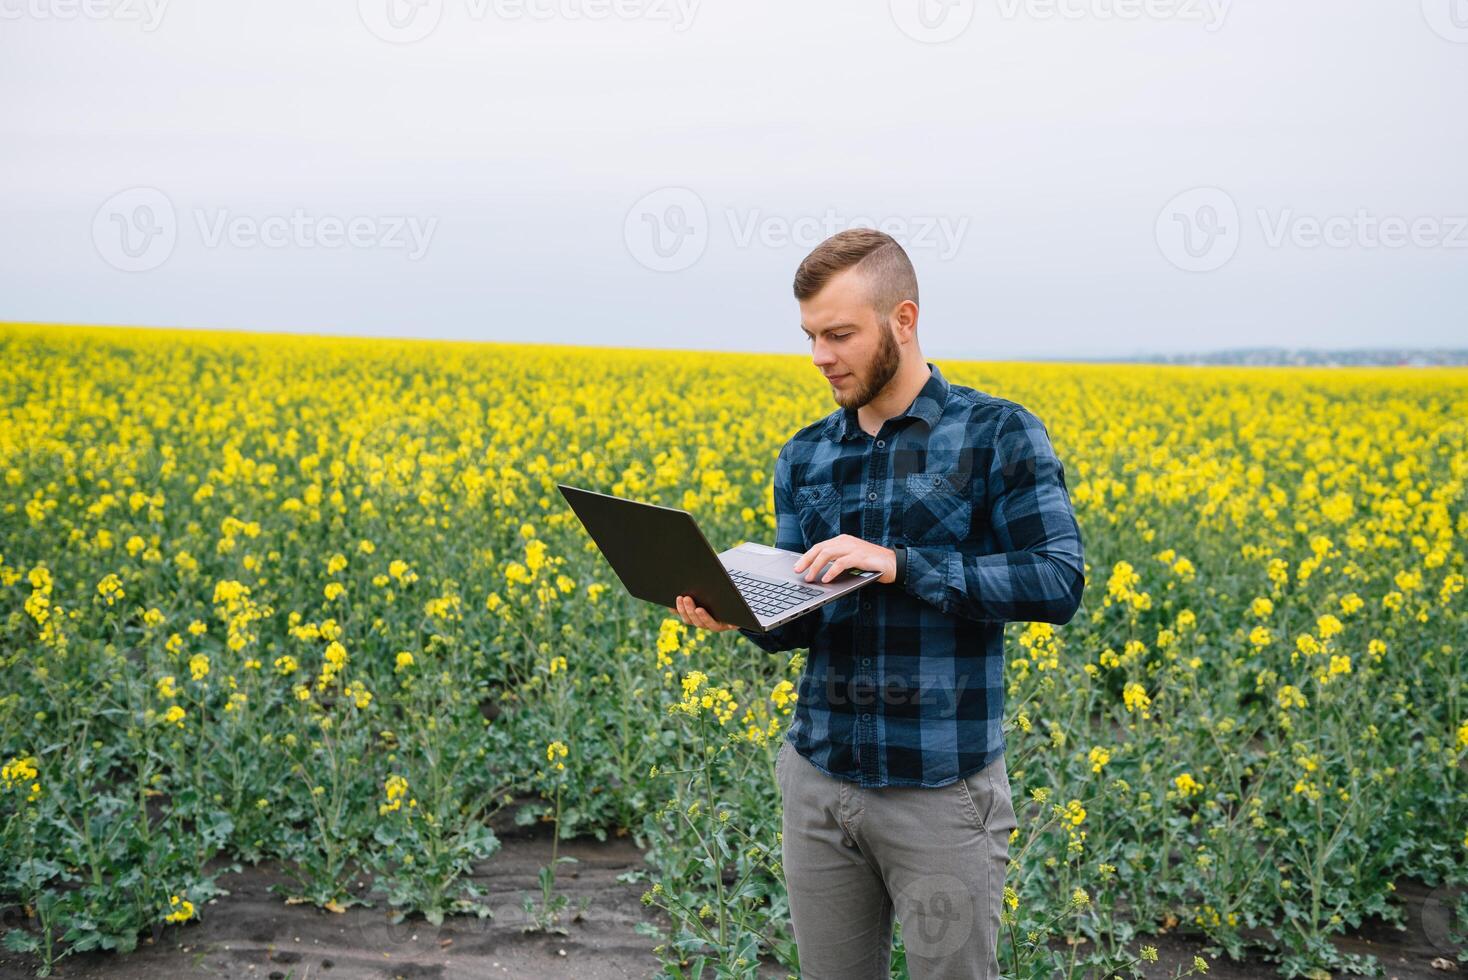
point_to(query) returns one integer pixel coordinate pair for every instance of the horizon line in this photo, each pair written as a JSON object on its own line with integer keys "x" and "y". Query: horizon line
{"x": 1138, "y": 357}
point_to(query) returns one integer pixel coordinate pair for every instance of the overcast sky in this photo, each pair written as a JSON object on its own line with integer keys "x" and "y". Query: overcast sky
{"x": 1071, "y": 177}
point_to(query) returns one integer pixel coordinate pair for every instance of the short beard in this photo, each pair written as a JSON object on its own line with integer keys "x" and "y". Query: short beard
{"x": 883, "y": 370}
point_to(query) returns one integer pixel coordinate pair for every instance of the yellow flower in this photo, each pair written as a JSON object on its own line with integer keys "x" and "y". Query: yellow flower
{"x": 359, "y": 694}
{"x": 535, "y": 555}
{"x": 199, "y": 666}
{"x": 1135, "y": 697}
{"x": 1187, "y": 785}
{"x": 18, "y": 772}
{"x": 716, "y": 700}
{"x": 1123, "y": 578}
{"x": 554, "y": 750}
{"x": 1289, "y": 697}
{"x": 1099, "y": 758}
{"x": 182, "y": 909}
{"x": 784, "y": 695}
{"x": 396, "y": 787}
{"x": 669, "y": 633}
{"x": 110, "y": 589}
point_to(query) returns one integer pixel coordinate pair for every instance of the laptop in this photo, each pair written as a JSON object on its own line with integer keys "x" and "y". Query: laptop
{"x": 660, "y": 553}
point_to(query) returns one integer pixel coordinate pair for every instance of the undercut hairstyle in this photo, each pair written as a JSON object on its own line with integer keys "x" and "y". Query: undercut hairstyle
{"x": 877, "y": 257}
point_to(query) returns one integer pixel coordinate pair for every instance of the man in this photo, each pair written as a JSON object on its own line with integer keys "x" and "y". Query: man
{"x": 896, "y": 795}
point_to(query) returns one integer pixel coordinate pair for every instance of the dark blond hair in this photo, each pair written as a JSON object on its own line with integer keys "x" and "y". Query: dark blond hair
{"x": 882, "y": 263}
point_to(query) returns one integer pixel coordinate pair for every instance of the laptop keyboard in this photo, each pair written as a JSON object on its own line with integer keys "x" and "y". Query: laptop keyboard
{"x": 770, "y": 598}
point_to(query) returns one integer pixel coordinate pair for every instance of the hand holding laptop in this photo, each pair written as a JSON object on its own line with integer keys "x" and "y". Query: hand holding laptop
{"x": 694, "y": 615}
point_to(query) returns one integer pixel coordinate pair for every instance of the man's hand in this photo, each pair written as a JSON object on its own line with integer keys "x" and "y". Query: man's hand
{"x": 847, "y": 551}
{"x": 695, "y": 615}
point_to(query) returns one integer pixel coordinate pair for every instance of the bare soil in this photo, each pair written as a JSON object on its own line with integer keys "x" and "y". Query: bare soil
{"x": 252, "y": 935}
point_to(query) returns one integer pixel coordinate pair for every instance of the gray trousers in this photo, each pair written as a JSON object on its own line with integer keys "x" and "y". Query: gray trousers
{"x": 852, "y": 855}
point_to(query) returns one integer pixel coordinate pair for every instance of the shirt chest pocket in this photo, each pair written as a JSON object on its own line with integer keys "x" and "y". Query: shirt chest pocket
{"x": 818, "y": 506}
{"x": 937, "y": 508}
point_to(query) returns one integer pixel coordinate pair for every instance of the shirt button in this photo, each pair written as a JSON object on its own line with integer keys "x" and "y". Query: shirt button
{"x": 881, "y": 443}
{"x": 866, "y": 605}
{"x": 937, "y": 481}
{"x": 866, "y": 661}
{"x": 872, "y": 495}
{"x": 866, "y": 716}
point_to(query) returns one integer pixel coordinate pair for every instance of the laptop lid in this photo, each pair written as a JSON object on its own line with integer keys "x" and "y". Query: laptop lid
{"x": 659, "y": 553}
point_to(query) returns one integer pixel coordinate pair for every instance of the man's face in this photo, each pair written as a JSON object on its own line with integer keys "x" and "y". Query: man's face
{"x": 851, "y": 345}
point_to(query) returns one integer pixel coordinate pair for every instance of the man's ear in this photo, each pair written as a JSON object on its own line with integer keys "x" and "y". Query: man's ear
{"x": 904, "y": 319}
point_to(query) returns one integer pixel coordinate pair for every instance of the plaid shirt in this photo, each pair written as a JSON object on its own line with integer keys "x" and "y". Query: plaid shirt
{"x": 904, "y": 685}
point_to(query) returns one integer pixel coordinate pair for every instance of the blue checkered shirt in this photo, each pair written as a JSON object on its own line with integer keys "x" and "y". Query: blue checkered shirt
{"x": 904, "y": 683}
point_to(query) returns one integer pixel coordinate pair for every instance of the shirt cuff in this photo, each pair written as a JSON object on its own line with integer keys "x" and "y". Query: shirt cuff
{"x": 934, "y": 575}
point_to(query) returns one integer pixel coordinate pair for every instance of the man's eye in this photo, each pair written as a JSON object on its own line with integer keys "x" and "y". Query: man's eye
{"x": 840, "y": 336}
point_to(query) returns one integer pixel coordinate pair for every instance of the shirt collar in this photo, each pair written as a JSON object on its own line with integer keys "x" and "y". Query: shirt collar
{"x": 928, "y": 406}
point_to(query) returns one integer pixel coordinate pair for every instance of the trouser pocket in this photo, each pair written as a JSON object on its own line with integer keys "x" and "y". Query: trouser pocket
{"x": 985, "y": 797}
